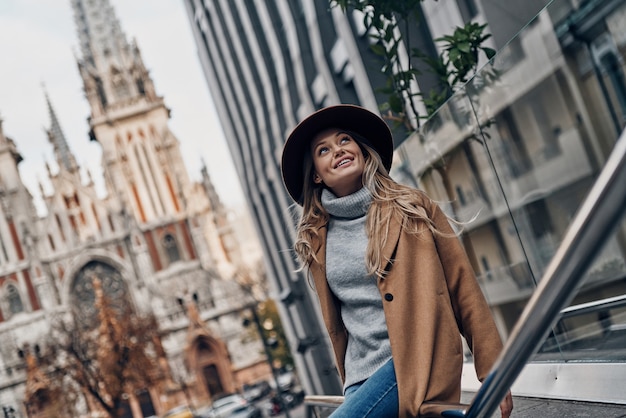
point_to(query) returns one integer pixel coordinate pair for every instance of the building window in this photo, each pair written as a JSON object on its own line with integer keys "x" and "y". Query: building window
{"x": 4, "y": 251}
{"x": 51, "y": 241}
{"x": 615, "y": 74}
{"x": 145, "y": 403}
{"x": 111, "y": 224}
{"x": 83, "y": 294}
{"x": 171, "y": 248}
{"x": 460, "y": 195}
{"x": 14, "y": 301}
{"x": 121, "y": 88}
{"x": 468, "y": 9}
{"x": 140, "y": 87}
{"x": 319, "y": 91}
{"x": 58, "y": 220}
{"x": 539, "y": 218}
{"x": 101, "y": 93}
{"x": 486, "y": 268}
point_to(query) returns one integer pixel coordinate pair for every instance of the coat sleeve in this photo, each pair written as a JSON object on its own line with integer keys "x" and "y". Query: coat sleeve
{"x": 473, "y": 316}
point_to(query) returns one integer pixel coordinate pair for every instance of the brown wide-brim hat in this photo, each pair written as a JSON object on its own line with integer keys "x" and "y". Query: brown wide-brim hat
{"x": 368, "y": 125}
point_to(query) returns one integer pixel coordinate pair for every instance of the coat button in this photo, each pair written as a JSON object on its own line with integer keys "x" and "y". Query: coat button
{"x": 388, "y": 297}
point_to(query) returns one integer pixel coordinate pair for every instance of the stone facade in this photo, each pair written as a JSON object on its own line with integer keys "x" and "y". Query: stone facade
{"x": 156, "y": 239}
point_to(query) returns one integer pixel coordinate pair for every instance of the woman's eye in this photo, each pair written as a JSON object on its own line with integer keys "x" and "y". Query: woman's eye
{"x": 322, "y": 150}
{"x": 345, "y": 139}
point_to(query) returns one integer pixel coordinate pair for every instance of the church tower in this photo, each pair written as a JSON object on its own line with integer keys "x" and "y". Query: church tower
{"x": 77, "y": 211}
{"x": 144, "y": 172}
{"x": 141, "y": 156}
{"x": 17, "y": 231}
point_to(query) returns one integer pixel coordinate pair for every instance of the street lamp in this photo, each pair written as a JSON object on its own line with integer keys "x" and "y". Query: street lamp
{"x": 268, "y": 353}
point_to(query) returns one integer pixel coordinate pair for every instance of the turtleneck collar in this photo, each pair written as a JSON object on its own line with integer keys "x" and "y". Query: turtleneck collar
{"x": 351, "y": 206}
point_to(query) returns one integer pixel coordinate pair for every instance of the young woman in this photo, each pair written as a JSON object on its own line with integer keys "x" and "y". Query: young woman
{"x": 395, "y": 286}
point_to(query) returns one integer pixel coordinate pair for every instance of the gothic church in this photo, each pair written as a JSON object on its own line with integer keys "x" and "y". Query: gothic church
{"x": 157, "y": 240}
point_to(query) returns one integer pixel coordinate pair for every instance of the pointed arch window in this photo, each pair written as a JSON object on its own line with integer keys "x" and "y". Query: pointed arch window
{"x": 4, "y": 251}
{"x": 101, "y": 93}
{"x": 83, "y": 293}
{"x": 120, "y": 85}
{"x": 121, "y": 88}
{"x": 140, "y": 87}
{"x": 14, "y": 301}
{"x": 171, "y": 248}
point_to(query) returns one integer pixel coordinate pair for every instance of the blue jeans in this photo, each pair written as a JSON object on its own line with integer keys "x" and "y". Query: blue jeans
{"x": 376, "y": 397}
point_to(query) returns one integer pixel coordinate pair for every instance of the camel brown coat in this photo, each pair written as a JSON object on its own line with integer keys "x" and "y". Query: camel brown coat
{"x": 430, "y": 297}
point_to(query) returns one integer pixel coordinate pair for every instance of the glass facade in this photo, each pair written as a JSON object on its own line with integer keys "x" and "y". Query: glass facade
{"x": 512, "y": 155}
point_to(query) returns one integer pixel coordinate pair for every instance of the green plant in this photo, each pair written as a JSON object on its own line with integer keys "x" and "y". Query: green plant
{"x": 389, "y": 24}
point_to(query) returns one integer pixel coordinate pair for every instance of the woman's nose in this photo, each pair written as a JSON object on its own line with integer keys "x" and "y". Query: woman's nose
{"x": 338, "y": 150}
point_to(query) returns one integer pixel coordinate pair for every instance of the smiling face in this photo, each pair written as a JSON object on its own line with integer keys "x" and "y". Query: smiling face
{"x": 338, "y": 162}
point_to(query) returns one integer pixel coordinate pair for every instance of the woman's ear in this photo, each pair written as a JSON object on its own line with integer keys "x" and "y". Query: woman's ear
{"x": 317, "y": 179}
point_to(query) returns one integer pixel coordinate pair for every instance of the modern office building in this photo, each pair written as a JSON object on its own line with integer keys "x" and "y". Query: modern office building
{"x": 514, "y": 151}
{"x": 268, "y": 64}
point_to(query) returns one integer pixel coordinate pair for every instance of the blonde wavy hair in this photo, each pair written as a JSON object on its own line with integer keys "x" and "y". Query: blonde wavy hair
{"x": 406, "y": 203}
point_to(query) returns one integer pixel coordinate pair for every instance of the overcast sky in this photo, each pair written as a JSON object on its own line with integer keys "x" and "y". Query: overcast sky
{"x": 37, "y": 46}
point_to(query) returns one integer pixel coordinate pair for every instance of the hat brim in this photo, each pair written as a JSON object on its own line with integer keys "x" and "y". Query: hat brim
{"x": 352, "y": 118}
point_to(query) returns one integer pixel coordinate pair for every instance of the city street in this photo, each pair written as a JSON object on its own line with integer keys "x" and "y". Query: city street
{"x": 297, "y": 412}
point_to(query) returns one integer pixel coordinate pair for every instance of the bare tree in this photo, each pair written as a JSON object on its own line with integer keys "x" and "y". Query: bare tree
{"x": 107, "y": 362}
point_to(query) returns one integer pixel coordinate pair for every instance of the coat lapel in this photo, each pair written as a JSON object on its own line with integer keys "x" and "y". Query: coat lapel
{"x": 394, "y": 228}
{"x": 329, "y": 303}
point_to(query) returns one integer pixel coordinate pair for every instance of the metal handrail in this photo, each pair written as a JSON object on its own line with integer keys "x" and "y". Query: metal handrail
{"x": 598, "y": 216}
{"x": 595, "y": 306}
{"x": 323, "y": 400}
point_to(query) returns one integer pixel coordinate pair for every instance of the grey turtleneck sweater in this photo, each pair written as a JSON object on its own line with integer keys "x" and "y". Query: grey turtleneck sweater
{"x": 361, "y": 304}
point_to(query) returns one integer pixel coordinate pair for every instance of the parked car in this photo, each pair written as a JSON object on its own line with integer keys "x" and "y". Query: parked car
{"x": 256, "y": 391}
{"x": 231, "y": 406}
{"x": 182, "y": 411}
{"x": 286, "y": 380}
{"x": 289, "y": 398}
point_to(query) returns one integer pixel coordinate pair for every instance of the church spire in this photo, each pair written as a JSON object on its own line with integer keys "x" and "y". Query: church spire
{"x": 112, "y": 69}
{"x": 7, "y": 144}
{"x": 62, "y": 152}
{"x": 214, "y": 198}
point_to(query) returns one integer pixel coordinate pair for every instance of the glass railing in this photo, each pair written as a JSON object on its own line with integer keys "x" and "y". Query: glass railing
{"x": 593, "y": 331}
{"x": 515, "y": 152}
{"x": 598, "y": 217}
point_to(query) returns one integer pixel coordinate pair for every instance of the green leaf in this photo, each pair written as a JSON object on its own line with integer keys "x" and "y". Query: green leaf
{"x": 387, "y": 90}
{"x": 395, "y": 103}
{"x": 489, "y": 52}
{"x": 446, "y": 38}
{"x": 378, "y": 49}
{"x": 454, "y": 55}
